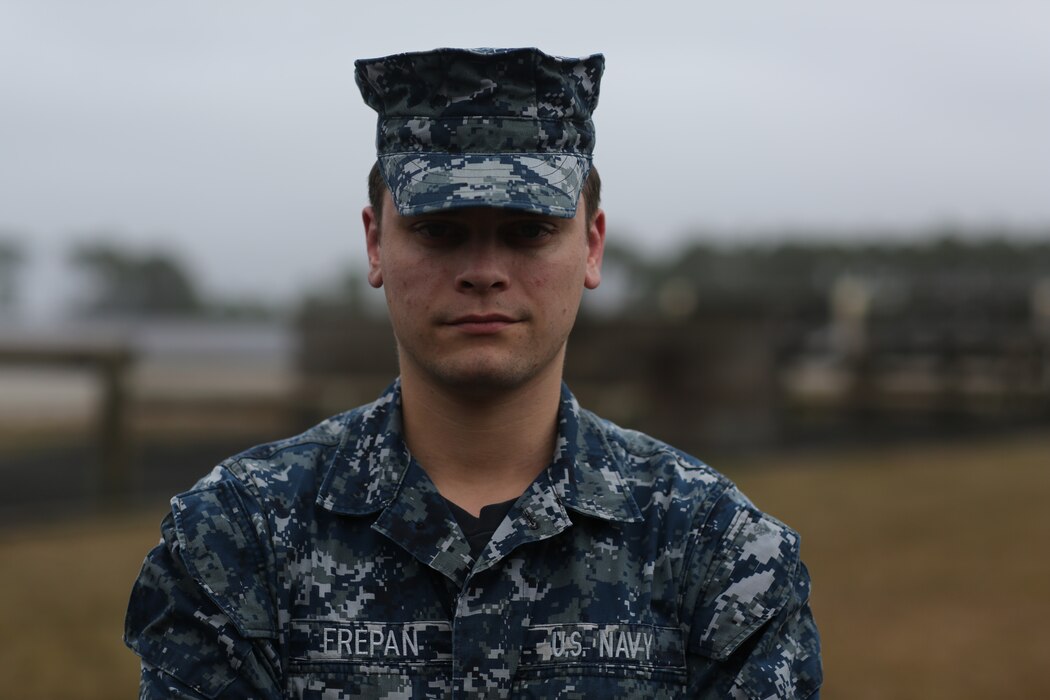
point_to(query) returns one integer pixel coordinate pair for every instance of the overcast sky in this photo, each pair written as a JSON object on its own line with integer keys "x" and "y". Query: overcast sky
{"x": 233, "y": 134}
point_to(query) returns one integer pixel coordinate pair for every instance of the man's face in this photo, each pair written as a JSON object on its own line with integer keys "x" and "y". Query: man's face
{"x": 482, "y": 299}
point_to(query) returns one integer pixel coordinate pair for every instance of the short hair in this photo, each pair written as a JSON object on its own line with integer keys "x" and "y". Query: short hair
{"x": 592, "y": 192}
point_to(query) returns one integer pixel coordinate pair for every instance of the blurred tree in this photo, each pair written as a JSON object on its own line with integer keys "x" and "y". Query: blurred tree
{"x": 11, "y": 260}
{"x": 346, "y": 293}
{"x": 247, "y": 309}
{"x": 125, "y": 283}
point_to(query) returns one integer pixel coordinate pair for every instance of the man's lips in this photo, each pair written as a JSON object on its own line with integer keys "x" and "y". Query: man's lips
{"x": 482, "y": 324}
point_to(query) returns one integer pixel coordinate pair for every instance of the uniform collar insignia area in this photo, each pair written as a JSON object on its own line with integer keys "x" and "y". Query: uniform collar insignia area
{"x": 366, "y": 471}
{"x": 587, "y": 467}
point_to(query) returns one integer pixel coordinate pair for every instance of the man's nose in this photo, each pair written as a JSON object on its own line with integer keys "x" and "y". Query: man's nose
{"x": 484, "y": 266}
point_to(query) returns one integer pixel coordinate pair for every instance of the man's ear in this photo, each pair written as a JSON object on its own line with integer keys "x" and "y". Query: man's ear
{"x": 595, "y": 250}
{"x": 371, "y": 222}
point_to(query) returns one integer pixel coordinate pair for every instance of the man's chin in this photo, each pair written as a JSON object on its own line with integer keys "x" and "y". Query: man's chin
{"x": 481, "y": 376}
{"x": 482, "y": 371}
{"x": 484, "y": 381}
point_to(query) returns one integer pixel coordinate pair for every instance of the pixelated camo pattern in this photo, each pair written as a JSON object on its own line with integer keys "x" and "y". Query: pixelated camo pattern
{"x": 483, "y": 127}
{"x": 328, "y": 566}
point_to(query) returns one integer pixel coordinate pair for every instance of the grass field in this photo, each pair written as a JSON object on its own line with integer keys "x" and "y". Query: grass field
{"x": 930, "y": 566}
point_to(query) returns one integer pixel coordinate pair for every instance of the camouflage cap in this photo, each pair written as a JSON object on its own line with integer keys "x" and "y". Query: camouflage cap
{"x": 483, "y": 127}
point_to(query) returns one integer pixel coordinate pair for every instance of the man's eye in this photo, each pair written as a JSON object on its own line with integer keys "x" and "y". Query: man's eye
{"x": 435, "y": 230}
{"x": 531, "y": 230}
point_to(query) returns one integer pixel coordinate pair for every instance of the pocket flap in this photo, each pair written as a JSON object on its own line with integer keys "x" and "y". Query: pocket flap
{"x": 222, "y": 552}
{"x": 747, "y": 584}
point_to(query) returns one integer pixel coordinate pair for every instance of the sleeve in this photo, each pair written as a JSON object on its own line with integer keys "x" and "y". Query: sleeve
{"x": 751, "y": 634}
{"x": 202, "y": 613}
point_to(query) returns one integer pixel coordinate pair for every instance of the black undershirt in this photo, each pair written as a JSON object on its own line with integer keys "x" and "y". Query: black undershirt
{"x": 479, "y": 530}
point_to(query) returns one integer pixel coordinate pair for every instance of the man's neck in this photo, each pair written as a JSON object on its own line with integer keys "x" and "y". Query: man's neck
{"x": 480, "y": 448}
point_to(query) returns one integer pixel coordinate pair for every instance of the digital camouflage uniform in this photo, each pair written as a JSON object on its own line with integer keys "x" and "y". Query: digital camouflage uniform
{"x": 328, "y": 566}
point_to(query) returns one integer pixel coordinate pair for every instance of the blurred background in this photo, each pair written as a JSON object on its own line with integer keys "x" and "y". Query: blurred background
{"x": 828, "y": 275}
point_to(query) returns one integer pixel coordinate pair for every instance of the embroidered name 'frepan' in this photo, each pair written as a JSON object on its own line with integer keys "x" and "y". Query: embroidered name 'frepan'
{"x": 411, "y": 642}
{"x": 362, "y": 641}
{"x": 583, "y": 642}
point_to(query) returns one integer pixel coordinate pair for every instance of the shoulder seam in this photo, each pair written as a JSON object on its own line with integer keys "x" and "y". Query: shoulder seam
{"x": 612, "y": 432}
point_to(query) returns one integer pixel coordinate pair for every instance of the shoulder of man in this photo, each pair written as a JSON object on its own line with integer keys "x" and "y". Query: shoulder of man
{"x": 669, "y": 483}
{"x": 284, "y": 472}
{"x": 744, "y": 591}
{"x": 203, "y": 611}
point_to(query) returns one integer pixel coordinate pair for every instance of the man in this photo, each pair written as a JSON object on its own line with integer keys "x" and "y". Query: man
{"x": 474, "y": 532}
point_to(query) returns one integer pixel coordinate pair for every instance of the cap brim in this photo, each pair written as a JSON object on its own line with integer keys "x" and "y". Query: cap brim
{"x": 541, "y": 183}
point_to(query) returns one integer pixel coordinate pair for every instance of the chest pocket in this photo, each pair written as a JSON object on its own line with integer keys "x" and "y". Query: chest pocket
{"x": 336, "y": 658}
{"x": 601, "y": 660}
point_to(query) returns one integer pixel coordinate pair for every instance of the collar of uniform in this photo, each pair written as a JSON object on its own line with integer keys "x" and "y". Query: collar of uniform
{"x": 366, "y": 470}
{"x": 586, "y": 471}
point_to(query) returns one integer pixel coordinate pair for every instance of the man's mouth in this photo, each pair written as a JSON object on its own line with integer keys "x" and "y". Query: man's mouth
{"x": 482, "y": 324}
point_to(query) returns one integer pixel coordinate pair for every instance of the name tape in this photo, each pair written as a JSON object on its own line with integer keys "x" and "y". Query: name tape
{"x": 419, "y": 642}
{"x": 594, "y": 643}
{"x": 431, "y": 642}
